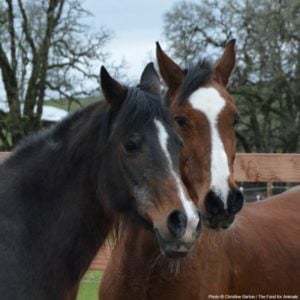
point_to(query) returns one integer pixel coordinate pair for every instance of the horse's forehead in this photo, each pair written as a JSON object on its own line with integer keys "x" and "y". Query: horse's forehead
{"x": 207, "y": 100}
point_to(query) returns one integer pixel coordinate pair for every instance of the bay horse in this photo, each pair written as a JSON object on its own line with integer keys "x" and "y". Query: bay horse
{"x": 254, "y": 254}
{"x": 206, "y": 116}
{"x": 62, "y": 189}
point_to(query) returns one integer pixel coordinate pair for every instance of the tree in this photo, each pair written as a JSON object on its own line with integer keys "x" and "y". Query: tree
{"x": 45, "y": 49}
{"x": 267, "y": 77}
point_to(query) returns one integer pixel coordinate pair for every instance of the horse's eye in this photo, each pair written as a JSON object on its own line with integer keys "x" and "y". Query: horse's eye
{"x": 133, "y": 143}
{"x": 131, "y": 146}
{"x": 236, "y": 119}
{"x": 181, "y": 122}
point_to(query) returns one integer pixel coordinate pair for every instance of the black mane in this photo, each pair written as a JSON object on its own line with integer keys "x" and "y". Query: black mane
{"x": 196, "y": 76}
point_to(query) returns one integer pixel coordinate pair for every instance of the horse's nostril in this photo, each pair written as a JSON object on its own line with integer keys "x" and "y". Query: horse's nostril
{"x": 177, "y": 222}
{"x": 235, "y": 201}
{"x": 213, "y": 203}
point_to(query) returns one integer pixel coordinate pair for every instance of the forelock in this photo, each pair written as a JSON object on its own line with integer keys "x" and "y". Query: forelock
{"x": 196, "y": 76}
{"x": 139, "y": 108}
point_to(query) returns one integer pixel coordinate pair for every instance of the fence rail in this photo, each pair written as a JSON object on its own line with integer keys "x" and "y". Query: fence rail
{"x": 254, "y": 167}
{"x": 261, "y": 167}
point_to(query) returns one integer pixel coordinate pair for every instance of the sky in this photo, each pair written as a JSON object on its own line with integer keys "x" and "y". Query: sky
{"x": 137, "y": 25}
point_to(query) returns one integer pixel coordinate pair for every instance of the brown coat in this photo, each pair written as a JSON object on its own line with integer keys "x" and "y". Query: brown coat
{"x": 260, "y": 254}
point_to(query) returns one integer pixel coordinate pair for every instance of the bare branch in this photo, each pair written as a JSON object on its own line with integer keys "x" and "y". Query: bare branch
{"x": 11, "y": 29}
{"x": 26, "y": 28}
{"x": 10, "y": 83}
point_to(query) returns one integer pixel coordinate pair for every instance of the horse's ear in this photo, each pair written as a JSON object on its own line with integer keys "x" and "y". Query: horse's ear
{"x": 150, "y": 80}
{"x": 113, "y": 91}
{"x": 226, "y": 63}
{"x": 169, "y": 70}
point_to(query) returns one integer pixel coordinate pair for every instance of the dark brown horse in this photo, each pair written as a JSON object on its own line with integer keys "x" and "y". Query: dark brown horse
{"x": 61, "y": 189}
{"x": 258, "y": 254}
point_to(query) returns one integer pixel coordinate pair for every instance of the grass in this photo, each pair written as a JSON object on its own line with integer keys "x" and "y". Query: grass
{"x": 89, "y": 285}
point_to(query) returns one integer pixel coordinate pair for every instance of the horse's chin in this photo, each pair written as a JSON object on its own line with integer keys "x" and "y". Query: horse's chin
{"x": 172, "y": 248}
{"x": 174, "y": 254}
{"x": 218, "y": 223}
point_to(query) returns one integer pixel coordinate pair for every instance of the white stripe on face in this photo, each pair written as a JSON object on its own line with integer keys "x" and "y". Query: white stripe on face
{"x": 188, "y": 206}
{"x": 210, "y": 102}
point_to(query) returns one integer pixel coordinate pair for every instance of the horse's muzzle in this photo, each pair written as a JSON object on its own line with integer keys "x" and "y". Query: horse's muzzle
{"x": 173, "y": 248}
{"x": 179, "y": 237}
{"x": 216, "y": 216}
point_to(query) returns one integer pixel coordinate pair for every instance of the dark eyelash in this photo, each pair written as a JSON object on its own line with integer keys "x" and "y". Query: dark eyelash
{"x": 181, "y": 121}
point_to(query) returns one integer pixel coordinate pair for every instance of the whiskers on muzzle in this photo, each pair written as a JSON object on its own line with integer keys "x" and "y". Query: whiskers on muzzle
{"x": 178, "y": 234}
{"x": 170, "y": 266}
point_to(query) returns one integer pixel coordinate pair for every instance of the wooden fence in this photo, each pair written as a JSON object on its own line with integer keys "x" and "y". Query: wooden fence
{"x": 254, "y": 167}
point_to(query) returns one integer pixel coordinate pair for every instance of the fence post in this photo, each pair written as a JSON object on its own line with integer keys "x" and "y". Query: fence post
{"x": 269, "y": 189}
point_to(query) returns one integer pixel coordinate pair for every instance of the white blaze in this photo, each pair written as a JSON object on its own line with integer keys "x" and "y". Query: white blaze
{"x": 210, "y": 102}
{"x": 188, "y": 205}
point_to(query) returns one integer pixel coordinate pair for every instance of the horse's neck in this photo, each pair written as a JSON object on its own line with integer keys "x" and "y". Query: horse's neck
{"x": 136, "y": 252}
{"x": 59, "y": 214}
{"x": 252, "y": 235}
{"x": 134, "y": 238}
